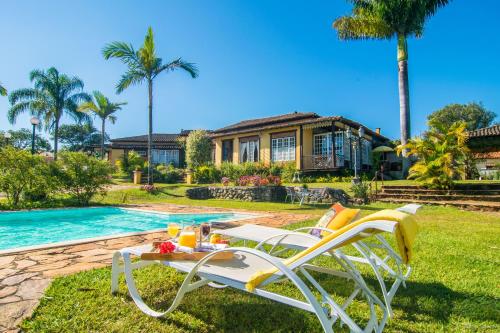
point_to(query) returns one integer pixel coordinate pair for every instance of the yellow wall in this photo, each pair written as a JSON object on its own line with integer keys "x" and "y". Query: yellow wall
{"x": 264, "y": 145}
{"x": 114, "y": 155}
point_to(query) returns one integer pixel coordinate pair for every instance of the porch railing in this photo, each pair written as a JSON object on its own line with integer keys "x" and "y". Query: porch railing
{"x": 321, "y": 162}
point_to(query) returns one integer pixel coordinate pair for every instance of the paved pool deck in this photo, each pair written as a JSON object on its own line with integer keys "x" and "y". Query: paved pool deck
{"x": 25, "y": 275}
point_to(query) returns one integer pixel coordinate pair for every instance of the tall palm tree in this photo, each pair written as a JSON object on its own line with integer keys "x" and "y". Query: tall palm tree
{"x": 144, "y": 65}
{"x": 53, "y": 95}
{"x": 103, "y": 108}
{"x": 387, "y": 19}
{"x": 3, "y": 91}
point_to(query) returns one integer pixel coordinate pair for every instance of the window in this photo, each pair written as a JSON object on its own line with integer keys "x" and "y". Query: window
{"x": 249, "y": 150}
{"x": 367, "y": 148}
{"x": 283, "y": 148}
{"x": 227, "y": 150}
{"x": 165, "y": 157}
{"x": 339, "y": 148}
{"x": 322, "y": 144}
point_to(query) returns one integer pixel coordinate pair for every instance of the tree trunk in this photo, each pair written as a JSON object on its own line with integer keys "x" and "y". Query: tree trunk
{"x": 150, "y": 132}
{"x": 56, "y": 138}
{"x": 103, "y": 133}
{"x": 404, "y": 98}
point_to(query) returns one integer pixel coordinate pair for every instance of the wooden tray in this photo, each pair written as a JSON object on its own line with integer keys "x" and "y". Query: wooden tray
{"x": 195, "y": 256}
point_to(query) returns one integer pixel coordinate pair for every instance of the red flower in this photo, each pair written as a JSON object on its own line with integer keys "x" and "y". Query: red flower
{"x": 167, "y": 247}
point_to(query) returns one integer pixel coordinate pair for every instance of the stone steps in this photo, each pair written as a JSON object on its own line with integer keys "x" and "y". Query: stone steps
{"x": 468, "y": 205}
{"x": 475, "y": 196}
{"x": 440, "y": 197}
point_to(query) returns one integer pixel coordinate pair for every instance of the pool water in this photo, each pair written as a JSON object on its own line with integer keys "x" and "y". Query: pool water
{"x": 19, "y": 229}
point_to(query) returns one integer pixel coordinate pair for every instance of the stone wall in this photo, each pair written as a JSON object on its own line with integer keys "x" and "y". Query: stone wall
{"x": 264, "y": 193}
{"x": 244, "y": 193}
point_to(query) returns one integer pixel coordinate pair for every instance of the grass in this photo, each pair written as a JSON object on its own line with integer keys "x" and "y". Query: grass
{"x": 453, "y": 288}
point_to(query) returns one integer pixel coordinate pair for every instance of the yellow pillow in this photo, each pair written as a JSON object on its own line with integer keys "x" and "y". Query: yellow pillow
{"x": 345, "y": 216}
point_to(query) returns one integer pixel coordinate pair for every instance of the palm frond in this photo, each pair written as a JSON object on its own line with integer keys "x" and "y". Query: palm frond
{"x": 131, "y": 77}
{"x": 25, "y": 94}
{"x": 362, "y": 25}
{"x": 3, "y": 91}
{"x": 189, "y": 67}
{"x": 121, "y": 50}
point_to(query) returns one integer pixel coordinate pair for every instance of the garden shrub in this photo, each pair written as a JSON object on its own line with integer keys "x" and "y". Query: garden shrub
{"x": 130, "y": 162}
{"x": 287, "y": 172}
{"x": 206, "y": 174}
{"x": 83, "y": 176}
{"x": 198, "y": 149}
{"x": 168, "y": 174}
{"x": 24, "y": 176}
{"x": 230, "y": 171}
{"x": 361, "y": 191}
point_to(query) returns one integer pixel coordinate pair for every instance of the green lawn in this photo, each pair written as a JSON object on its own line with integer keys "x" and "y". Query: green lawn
{"x": 454, "y": 286}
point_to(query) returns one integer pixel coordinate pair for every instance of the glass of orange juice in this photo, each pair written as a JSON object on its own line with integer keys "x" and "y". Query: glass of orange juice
{"x": 187, "y": 237}
{"x": 173, "y": 230}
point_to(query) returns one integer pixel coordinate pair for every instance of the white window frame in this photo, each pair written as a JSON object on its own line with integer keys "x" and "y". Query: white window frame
{"x": 283, "y": 149}
{"x": 165, "y": 156}
{"x": 322, "y": 144}
{"x": 250, "y": 146}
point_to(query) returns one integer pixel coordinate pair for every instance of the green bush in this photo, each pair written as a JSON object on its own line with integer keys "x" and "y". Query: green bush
{"x": 198, "y": 149}
{"x": 167, "y": 174}
{"x": 287, "y": 172}
{"x": 207, "y": 174}
{"x": 230, "y": 170}
{"x": 361, "y": 191}
{"x": 83, "y": 176}
{"x": 24, "y": 176}
{"x": 130, "y": 162}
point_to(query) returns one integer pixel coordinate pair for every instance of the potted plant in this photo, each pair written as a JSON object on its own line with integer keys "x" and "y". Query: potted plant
{"x": 137, "y": 175}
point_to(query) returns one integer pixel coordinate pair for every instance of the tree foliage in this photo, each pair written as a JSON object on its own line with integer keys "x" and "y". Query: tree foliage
{"x": 101, "y": 107}
{"x": 198, "y": 149}
{"x": 24, "y": 176}
{"x": 21, "y": 139}
{"x": 53, "y": 94}
{"x": 83, "y": 176}
{"x": 441, "y": 154}
{"x": 3, "y": 91}
{"x": 143, "y": 65}
{"x": 76, "y": 137}
{"x": 474, "y": 115}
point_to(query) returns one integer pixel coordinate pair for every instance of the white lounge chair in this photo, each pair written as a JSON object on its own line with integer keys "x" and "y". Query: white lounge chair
{"x": 239, "y": 272}
{"x": 390, "y": 265}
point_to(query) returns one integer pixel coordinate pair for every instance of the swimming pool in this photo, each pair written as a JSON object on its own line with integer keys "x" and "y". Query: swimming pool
{"x": 30, "y": 228}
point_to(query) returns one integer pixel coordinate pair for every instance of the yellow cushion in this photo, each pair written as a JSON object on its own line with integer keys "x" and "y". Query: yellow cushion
{"x": 341, "y": 219}
{"x": 405, "y": 233}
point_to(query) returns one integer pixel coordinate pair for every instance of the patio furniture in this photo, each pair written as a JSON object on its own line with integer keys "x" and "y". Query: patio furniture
{"x": 251, "y": 270}
{"x": 388, "y": 263}
{"x": 290, "y": 194}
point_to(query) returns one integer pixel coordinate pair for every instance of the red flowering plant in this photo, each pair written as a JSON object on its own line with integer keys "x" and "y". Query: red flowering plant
{"x": 274, "y": 180}
{"x": 244, "y": 180}
{"x": 167, "y": 247}
{"x": 255, "y": 180}
{"x": 225, "y": 181}
{"x": 264, "y": 182}
{"x": 149, "y": 188}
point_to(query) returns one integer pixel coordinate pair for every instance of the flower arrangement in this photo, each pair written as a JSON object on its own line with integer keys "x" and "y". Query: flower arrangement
{"x": 225, "y": 181}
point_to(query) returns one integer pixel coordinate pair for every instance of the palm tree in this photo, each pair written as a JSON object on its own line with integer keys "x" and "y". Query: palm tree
{"x": 387, "y": 19}
{"x": 103, "y": 108}
{"x": 3, "y": 91}
{"x": 144, "y": 65}
{"x": 53, "y": 95}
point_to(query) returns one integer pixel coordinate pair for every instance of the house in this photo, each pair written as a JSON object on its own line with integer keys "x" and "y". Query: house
{"x": 166, "y": 148}
{"x": 484, "y": 144}
{"x": 309, "y": 140}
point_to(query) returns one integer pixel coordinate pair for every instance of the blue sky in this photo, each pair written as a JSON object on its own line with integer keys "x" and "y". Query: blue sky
{"x": 256, "y": 59}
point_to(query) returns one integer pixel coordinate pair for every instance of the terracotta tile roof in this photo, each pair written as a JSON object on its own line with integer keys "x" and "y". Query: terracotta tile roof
{"x": 486, "y": 131}
{"x": 144, "y": 138}
{"x": 289, "y": 119}
{"x": 260, "y": 122}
